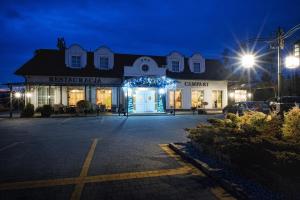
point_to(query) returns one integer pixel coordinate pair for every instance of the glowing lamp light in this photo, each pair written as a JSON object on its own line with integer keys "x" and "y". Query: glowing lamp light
{"x": 28, "y": 94}
{"x": 17, "y": 95}
{"x": 249, "y": 95}
{"x": 292, "y": 62}
{"x": 161, "y": 91}
{"x": 231, "y": 95}
{"x": 129, "y": 92}
{"x": 248, "y": 60}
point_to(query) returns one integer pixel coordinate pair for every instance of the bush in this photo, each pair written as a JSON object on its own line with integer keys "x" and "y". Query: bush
{"x": 28, "y": 111}
{"x": 84, "y": 106}
{"x": 273, "y": 126}
{"x": 253, "y": 122}
{"x": 38, "y": 109}
{"x": 46, "y": 111}
{"x": 291, "y": 124}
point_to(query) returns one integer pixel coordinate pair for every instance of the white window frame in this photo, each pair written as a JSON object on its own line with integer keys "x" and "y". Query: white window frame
{"x": 194, "y": 67}
{"x": 101, "y": 66}
{"x": 173, "y": 66}
{"x": 76, "y": 65}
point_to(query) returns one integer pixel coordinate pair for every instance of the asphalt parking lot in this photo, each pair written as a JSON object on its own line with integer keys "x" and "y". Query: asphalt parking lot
{"x": 105, "y": 157}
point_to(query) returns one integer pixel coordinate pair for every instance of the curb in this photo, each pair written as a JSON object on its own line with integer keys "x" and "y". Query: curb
{"x": 232, "y": 188}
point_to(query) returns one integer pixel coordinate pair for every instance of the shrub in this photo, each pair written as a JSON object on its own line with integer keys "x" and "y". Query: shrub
{"x": 202, "y": 133}
{"x": 253, "y": 122}
{"x": 28, "y": 111}
{"x": 222, "y": 123}
{"x": 46, "y": 111}
{"x": 38, "y": 109}
{"x": 84, "y": 106}
{"x": 216, "y": 122}
{"x": 273, "y": 126}
{"x": 291, "y": 124}
{"x": 233, "y": 117}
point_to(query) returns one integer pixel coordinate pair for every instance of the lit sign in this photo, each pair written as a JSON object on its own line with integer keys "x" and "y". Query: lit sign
{"x": 77, "y": 80}
{"x": 196, "y": 83}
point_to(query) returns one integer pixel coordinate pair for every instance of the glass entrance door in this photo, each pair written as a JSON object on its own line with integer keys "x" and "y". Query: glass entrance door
{"x": 145, "y": 100}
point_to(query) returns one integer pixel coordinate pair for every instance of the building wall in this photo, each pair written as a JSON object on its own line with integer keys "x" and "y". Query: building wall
{"x": 206, "y": 85}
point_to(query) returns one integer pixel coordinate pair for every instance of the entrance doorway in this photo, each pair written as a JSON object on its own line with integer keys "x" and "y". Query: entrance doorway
{"x": 145, "y": 100}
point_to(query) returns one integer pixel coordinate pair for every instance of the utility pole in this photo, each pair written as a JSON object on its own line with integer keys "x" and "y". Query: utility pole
{"x": 279, "y": 46}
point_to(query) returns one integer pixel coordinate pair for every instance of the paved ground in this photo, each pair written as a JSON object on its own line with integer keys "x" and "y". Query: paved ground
{"x": 107, "y": 157}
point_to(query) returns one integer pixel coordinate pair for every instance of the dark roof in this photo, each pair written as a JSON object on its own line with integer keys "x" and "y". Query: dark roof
{"x": 214, "y": 70}
{"x": 49, "y": 62}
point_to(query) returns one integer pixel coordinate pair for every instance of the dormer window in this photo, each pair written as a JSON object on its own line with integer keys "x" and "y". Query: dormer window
{"x": 197, "y": 67}
{"x": 175, "y": 66}
{"x": 75, "y": 57}
{"x": 104, "y": 58}
{"x": 76, "y": 61}
{"x": 197, "y": 63}
{"x": 175, "y": 62}
{"x": 104, "y": 61}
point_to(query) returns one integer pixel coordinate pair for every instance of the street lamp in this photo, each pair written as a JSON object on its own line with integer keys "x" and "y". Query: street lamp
{"x": 248, "y": 60}
{"x": 18, "y": 96}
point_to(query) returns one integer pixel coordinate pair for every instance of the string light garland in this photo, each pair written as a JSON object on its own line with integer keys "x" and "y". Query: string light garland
{"x": 147, "y": 81}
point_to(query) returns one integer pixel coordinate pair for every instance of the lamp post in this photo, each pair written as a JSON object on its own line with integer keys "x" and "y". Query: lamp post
{"x": 248, "y": 61}
{"x": 18, "y": 96}
{"x": 278, "y": 44}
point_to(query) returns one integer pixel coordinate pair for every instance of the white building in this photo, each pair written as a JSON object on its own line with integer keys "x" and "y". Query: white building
{"x": 144, "y": 83}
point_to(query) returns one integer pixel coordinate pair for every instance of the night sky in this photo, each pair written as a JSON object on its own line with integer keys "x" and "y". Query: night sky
{"x": 143, "y": 27}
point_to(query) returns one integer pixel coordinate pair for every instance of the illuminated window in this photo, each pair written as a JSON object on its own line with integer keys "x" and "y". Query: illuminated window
{"x": 175, "y": 66}
{"x": 75, "y": 95}
{"x": 217, "y": 98}
{"x": 103, "y": 62}
{"x": 104, "y": 97}
{"x": 76, "y": 61}
{"x": 197, "y": 67}
{"x": 44, "y": 96}
{"x": 197, "y": 98}
{"x": 178, "y": 99}
{"x": 240, "y": 95}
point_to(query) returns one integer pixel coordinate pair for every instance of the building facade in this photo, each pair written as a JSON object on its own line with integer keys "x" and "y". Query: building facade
{"x": 138, "y": 83}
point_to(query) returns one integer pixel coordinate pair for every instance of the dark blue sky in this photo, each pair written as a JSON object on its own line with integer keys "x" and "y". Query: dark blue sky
{"x": 144, "y": 27}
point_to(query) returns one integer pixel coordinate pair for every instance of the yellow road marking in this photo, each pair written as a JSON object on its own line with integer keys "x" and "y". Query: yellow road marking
{"x": 220, "y": 193}
{"x": 178, "y": 158}
{"x": 186, "y": 168}
{"x": 93, "y": 179}
{"x": 84, "y": 172}
{"x": 217, "y": 191}
{"x": 38, "y": 183}
{"x": 137, "y": 175}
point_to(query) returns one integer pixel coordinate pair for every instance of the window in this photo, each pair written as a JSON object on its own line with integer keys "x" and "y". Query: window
{"x": 76, "y": 61}
{"x": 197, "y": 98}
{"x": 217, "y": 98}
{"x": 145, "y": 68}
{"x": 197, "y": 67}
{"x": 175, "y": 66}
{"x": 75, "y": 95}
{"x": 103, "y": 62}
{"x": 240, "y": 95}
{"x": 104, "y": 97}
{"x": 44, "y": 96}
{"x": 178, "y": 99}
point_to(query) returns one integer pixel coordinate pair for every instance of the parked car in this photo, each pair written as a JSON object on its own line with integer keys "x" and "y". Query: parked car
{"x": 285, "y": 104}
{"x": 240, "y": 107}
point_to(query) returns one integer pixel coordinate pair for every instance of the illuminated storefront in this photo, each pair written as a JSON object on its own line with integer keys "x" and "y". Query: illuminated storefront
{"x": 113, "y": 81}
